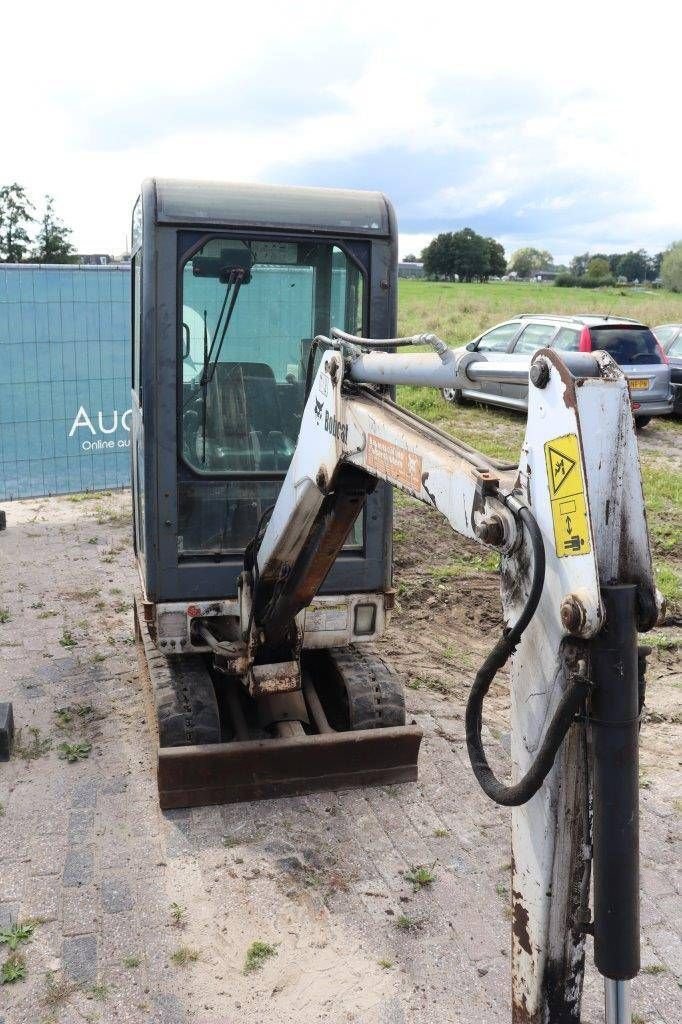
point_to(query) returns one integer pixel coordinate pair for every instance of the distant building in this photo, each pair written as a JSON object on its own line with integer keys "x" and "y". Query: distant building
{"x": 96, "y": 259}
{"x": 410, "y": 269}
{"x": 547, "y": 274}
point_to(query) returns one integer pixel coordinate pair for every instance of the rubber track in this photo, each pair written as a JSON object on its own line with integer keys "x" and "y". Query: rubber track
{"x": 376, "y": 697}
{"x": 186, "y": 706}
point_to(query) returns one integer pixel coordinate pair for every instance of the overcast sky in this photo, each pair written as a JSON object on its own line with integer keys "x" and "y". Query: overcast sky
{"x": 554, "y": 125}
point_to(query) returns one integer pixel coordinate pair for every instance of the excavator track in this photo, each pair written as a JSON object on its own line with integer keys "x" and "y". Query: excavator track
{"x": 372, "y": 692}
{"x": 195, "y": 767}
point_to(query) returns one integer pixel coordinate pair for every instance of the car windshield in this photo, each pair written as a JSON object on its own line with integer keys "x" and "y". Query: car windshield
{"x": 629, "y": 346}
{"x": 676, "y": 347}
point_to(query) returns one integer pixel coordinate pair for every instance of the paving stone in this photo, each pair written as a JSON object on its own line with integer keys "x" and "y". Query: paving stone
{"x": 79, "y": 910}
{"x": 114, "y": 786}
{"x": 81, "y": 824}
{"x": 78, "y": 867}
{"x": 79, "y": 958}
{"x": 43, "y": 897}
{"x": 85, "y": 794}
{"x": 170, "y": 1007}
{"x": 116, "y": 894}
{"x": 9, "y": 913}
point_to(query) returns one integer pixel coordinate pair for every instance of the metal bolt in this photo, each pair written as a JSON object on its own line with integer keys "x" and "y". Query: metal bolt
{"x": 573, "y": 614}
{"x": 491, "y": 531}
{"x": 539, "y": 373}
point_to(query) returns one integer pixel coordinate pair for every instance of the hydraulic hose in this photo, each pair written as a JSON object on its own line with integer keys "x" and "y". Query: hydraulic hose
{"x": 570, "y": 703}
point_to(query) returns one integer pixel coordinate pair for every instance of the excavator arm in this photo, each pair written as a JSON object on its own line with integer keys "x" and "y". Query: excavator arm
{"x": 576, "y": 585}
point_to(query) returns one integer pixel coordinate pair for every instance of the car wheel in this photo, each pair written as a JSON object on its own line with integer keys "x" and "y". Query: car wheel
{"x": 453, "y": 396}
{"x": 641, "y": 421}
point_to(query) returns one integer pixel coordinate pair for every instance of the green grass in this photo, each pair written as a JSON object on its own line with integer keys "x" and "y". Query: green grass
{"x": 184, "y": 955}
{"x": 73, "y": 752}
{"x": 406, "y": 923}
{"x": 5, "y": 616}
{"x": 420, "y": 876}
{"x": 458, "y": 312}
{"x": 33, "y": 748}
{"x": 669, "y": 582}
{"x": 256, "y": 955}
{"x": 17, "y": 933}
{"x": 13, "y": 969}
{"x": 466, "y": 565}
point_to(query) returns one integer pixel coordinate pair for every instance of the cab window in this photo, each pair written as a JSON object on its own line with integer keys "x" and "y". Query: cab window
{"x": 249, "y": 312}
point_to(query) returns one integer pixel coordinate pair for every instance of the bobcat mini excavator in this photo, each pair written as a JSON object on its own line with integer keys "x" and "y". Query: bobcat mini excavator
{"x": 266, "y": 442}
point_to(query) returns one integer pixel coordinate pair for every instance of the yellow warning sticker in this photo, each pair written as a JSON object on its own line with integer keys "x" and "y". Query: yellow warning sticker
{"x": 567, "y": 496}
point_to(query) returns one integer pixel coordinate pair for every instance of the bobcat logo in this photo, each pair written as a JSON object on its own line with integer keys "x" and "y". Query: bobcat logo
{"x": 318, "y": 409}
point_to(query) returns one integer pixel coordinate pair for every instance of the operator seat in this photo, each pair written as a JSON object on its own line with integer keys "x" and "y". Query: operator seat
{"x": 244, "y": 420}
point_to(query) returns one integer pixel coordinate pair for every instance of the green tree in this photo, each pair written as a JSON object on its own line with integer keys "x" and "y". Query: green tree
{"x": 52, "y": 244}
{"x": 654, "y": 269}
{"x": 438, "y": 258}
{"x": 470, "y": 255}
{"x": 528, "y": 261}
{"x": 410, "y": 259}
{"x": 632, "y": 265}
{"x": 671, "y": 267}
{"x": 579, "y": 264}
{"x": 15, "y": 216}
{"x": 496, "y": 257}
{"x": 598, "y": 267}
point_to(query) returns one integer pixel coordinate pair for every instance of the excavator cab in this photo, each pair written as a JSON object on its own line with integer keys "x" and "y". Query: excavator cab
{"x": 230, "y": 285}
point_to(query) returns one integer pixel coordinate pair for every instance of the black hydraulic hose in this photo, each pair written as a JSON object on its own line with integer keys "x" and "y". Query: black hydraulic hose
{"x": 570, "y": 703}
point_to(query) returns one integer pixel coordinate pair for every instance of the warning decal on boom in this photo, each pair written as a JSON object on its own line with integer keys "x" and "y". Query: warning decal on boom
{"x": 567, "y": 496}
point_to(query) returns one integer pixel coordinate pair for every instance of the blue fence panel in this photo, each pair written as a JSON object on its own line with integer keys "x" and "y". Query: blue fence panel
{"x": 64, "y": 379}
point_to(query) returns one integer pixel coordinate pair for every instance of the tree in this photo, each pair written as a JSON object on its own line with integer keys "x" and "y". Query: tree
{"x": 14, "y": 219}
{"x": 52, "y": 244}
{"x": 410, "y": 259}
{"x": 496, "y": 257}
{"x": 632, "y": 265}
{"x": 471, "y": 256}
{"x": 671, "y": 267}
{"x": 526, "y": 262}
{"x": 463, "y": 254}
{"x": 437, "y": 257}
{"x": 579, "y": 264}
{"x": 598, "y": 267}
{"x": 654, "y": 265}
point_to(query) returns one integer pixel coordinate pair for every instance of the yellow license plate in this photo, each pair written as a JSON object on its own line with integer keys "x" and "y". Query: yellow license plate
{"x": 638, "y": 383}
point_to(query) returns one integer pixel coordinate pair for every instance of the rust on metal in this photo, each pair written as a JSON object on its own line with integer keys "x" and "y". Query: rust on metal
{"x": 520, "y": 923}
{"x": 279, "y": 677}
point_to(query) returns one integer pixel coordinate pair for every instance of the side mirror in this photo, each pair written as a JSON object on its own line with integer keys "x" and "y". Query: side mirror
{"x": 471, "y": 347}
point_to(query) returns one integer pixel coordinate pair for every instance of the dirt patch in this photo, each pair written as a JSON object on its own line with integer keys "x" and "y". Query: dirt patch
{"x": 448, "y": 616}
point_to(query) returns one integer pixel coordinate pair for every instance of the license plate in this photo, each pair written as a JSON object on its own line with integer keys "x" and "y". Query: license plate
{"x": 638, "y": 383}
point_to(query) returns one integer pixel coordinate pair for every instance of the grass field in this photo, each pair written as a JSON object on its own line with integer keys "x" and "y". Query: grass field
{"x": 459, "y": 312}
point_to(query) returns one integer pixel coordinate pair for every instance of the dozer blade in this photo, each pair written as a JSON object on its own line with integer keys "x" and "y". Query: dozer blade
{"x": 192, "y": 772}
{"x": 260, "y": 769}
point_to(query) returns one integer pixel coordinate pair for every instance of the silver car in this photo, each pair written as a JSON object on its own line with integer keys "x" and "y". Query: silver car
{"x": 631, "y": 344}
{"x": 670, "y": 338}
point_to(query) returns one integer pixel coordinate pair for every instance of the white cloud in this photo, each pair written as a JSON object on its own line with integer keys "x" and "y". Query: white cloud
{"x": 99, "y": 97}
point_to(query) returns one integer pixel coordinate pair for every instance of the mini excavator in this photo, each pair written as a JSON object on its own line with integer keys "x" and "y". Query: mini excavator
{"x": 266, "y": 442}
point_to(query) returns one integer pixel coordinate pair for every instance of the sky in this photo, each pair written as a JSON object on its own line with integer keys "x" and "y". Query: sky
{"x": 551, "y": 125}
